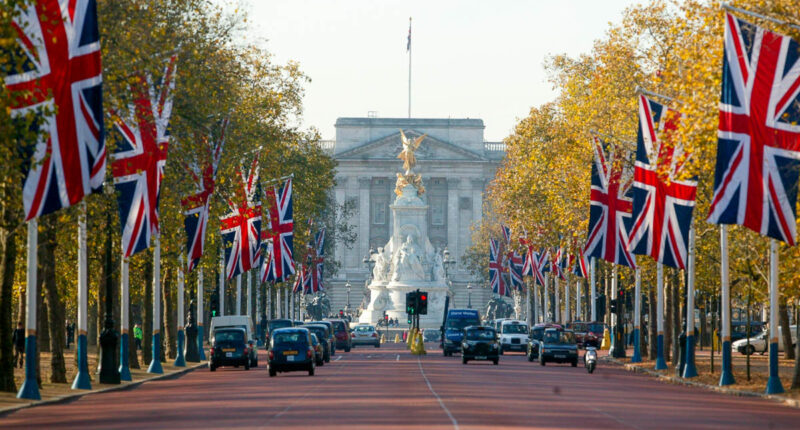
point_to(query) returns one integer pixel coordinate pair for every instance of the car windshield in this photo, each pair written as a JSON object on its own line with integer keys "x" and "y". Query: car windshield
{"x": 289, "y": 337}
{"x": 338, "y": 326}
{"x": 595, "y": 328}
{"x": 480, "y": 335}
{"x": 537, "y": 333}
{"x": 515, "y": 329}
{"x": 314, "y": 340}
{"x": 559, "y": 337}
{"x": 460, "y": 323}
{"x": 319, "y": 331}
{"x": 279, "y": 324}
{"x": 365, "y": 329}
{"x": 229, "y": 336}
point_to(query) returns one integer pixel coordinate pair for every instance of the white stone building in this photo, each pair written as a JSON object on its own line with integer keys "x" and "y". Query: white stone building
{"x": 456, "y": 165}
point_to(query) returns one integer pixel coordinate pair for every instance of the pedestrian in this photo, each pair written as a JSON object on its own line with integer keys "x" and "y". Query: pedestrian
{"x": 70, "y": 333}
{"x": 18, "y": 338}
{"x": 137, "y": 336}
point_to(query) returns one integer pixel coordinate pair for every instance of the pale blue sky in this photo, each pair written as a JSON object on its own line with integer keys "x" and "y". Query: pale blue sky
{"x": 476, "y": 59}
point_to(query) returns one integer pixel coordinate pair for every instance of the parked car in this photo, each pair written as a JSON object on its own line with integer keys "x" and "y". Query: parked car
{"x": 513, "y": 336}
{"x": 324, "y": 337}
{"x": 318, "y": 354}
{"x": 537, "y": 332}
{"x": 480, "y": 343}
{"x": 760, "y": 343}
{"x": 558, "y": 346}
{"x": 244, "y": 322}
{"x": 587, "y": 333}
{"x": 341, "y": 334}
{"x": 290, "y": 350}
{"x": 365, "y": 334}
{"x": 228, "y": 348}
{"x": 455, "y": 322}
{"x": 275, "y": 324}
{"x": 739, "y": 329}
{"x": 297, "y": 323}
{"x": 330, "y": 334}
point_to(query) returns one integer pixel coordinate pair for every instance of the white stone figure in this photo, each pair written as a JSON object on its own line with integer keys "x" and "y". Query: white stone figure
{"x": 407, "y": 263}
{"x": 438, "y": 266}
{"x": 380, "y": 271}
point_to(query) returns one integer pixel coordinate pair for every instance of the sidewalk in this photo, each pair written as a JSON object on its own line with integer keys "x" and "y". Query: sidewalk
{"x": 706, "y": 379}
{"x": 54, "y": 393}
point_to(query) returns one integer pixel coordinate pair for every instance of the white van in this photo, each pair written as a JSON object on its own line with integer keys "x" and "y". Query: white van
{"x": 238, "y": 321}
{"x": 760, "y": 343}
{"x": 513, "y": 335}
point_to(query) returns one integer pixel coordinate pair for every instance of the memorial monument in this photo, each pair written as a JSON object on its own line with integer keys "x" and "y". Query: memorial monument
{"x": 408, "y": 261}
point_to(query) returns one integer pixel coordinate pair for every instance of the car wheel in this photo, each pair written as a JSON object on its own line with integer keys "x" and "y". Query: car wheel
{"x": 495, "y": 361}
{"x": 378, "y": 345}
{"x": 212, "y": 368}
{"x": 530, "y": 356}
{"x": 247, "y": 364}
{"x": 501, "y": 350}
{"x": 347, "y": 349}
{"x": 255, "y": 363}
{"x": 311, "y": 370}
{"x": 575, "y": 363}
{"x": 272, "y": 372}
{"x": 463, "y": 359}
{"x": 541, "y": 360}
{"x": 749, "y": 350}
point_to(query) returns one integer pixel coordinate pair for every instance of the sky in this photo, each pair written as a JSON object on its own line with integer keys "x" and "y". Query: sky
{"x": 470, "y": 59}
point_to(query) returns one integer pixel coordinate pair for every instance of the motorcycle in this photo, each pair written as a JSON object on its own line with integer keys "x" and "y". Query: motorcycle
{"x": 590, "y": 359}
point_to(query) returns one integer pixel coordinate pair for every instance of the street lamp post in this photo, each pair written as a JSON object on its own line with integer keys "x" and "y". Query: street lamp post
{"x": 348, "y": 287}
{"x": 469, "y": 296}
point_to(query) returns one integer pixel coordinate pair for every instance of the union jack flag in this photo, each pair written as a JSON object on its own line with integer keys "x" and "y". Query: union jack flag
{"x": 515, "y": 261}
{"x": 542, "y": 265}
{"x": 662, "y": 204}
{"x": 196, "y": 206}
{"x": 559, "y": 263}
{"x": 496, "y": 269}
{"x": 527, "y": 263}
{"x": 58, "y": 80}
{"x": 282, "y": 232}
{"x": 506, "y": 233}
{"x": 610, "y": 209}
{"x": 266, "y": 256}
{"x": 241, "y": 228}
{"x": 316, "y": 257}
{"x": 140, "y": 156}
{"x": 582, "y": 265}
{"x": 301, "y": 281}
{"x": 758, "y": 149}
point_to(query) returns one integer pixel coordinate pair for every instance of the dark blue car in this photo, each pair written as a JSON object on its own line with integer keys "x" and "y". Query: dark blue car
{"x": 290, "y": 350}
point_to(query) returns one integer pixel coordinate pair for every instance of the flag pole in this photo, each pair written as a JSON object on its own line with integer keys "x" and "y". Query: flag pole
{"x": 200, "y": 311}
{"x": 124, "y": 299}
{"x": 637, "y": 315}
{"x": 155, "y": 362}
{"x": 180, "y": 360}
{"x": 593, "y": 289}
{"x": 774, "y": 385}
{"x": 661, "y": 364}
{"x": 30, "y": 388}
{"x": 82, "y": 380}
{"x": 690, "y": 370}
{"x": 409, "y": 66}
{"x": 221, "y": 282}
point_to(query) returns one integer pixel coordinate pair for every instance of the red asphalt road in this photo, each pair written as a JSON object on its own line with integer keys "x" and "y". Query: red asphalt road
{"x": 373, "y": 388}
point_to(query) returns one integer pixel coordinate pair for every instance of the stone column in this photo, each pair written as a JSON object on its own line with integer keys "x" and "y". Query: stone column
{"x": 363, "y": 216}
{"x": 452, "y": 215}
{"x": 339, "y": 193}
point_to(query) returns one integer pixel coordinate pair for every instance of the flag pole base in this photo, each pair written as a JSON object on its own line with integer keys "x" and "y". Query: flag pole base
{"x": 774, "y": 385}
{"x": 82, "y": 381}
{"x": 30, "y": 388}
{"x": 155, "y": 362}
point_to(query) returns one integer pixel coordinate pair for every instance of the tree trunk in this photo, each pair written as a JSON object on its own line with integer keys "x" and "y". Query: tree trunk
{"x": 786, "y": 333}
{"x": 55, "y": 306}
{"x": 147, "y": 308}
{"x": 651, "y": 318}
{"x": 8, "y": 245}
{"x": 169, "y": 316}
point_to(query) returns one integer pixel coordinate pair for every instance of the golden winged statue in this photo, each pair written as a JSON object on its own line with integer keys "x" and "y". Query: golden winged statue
{"x": 407, "y": 154}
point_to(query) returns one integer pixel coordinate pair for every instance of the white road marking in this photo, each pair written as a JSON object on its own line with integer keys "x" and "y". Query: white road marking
{"x": 398, "y": 357}
{"x": 338, "y": 358}
{"x": 438, "y": 399}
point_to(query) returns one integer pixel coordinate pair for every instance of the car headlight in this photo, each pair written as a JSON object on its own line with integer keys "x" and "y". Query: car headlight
{"x": 494, "y": 345}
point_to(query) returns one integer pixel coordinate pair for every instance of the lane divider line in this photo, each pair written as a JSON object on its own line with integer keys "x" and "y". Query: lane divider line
{"x": 438, "y": 399}
{"x": 398, "y": 357}
{"x": 338, "y": 358}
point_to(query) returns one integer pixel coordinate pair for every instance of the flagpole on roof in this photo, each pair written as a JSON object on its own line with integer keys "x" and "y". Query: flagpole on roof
{"x": 726, "y": 6}
{"x": 408, "y": 48}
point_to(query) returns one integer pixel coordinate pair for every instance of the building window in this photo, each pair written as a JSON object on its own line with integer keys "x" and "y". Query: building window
{"x": 438, "y": 210}
{"x": 379, "y": 211}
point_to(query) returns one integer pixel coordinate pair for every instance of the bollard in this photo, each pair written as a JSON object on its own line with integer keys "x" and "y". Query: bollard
{"x": 397, "y": 338}
{"x": 606, "y": 340}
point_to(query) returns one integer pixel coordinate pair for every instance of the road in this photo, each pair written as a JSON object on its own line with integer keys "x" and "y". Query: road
{"x": 388, "y": 388}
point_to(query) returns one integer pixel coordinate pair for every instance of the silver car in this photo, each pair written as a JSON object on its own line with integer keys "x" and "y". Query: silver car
{"x": 365, "y": 335}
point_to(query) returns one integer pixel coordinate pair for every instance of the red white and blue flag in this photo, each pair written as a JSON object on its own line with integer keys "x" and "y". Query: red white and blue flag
{"x": 758, "y": 146}
{"x": 559, "y": 263}
{"x": 196, "y": 206}
{"x": 59, "y": 81}
{"x": 241, "y": 228}
{"x": 581, "y": 265}
{"x": 542, "y": 265}
{"x": 506, "y": 233}
{"x": 515, "y": 262}
{"x": 140, "y": 156}
{"x": 610, "y": 208}
{"x": 496, "y": 269}
{"x": 662, "y": 204}
{"x": 316, "y": 257}
{"x": 301, "y": 281}
{"x": 266, "y": 256}
{"x": 281, "y": 266}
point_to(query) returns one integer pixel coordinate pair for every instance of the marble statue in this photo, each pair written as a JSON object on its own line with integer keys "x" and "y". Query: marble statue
{"x": 381, "y": 269}
{"x": 407, "y": 154}
{"x": 438, "y": 267}
{"x": 407, "y": 263}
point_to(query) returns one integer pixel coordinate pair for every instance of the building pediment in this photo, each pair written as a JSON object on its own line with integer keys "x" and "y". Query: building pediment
{"x": 388, "y": 147}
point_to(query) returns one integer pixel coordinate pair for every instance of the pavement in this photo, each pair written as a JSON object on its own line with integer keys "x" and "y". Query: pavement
{"x": 389, "y": 388}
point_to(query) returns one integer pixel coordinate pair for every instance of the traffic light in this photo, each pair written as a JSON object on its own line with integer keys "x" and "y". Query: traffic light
{"x": 341, "y": 313}
{"x": 411, "y": 303}
{"x": 214, "y": 304}
{"x": 422, "y": 303}
{"x": 613, "y": 306}
{"x": 409, "y": 320}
